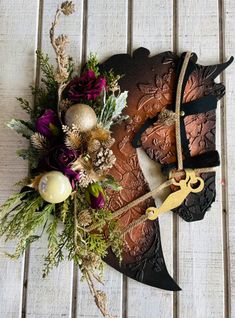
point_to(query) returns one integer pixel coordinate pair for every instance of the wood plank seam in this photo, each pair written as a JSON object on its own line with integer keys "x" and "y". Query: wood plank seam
{"x": 224, "y": 167}
{"x": 83, "y": 59}
{"x": 175, "y": 227}
{"x": 25, "y": 268}
{"x": 129, "y": 49}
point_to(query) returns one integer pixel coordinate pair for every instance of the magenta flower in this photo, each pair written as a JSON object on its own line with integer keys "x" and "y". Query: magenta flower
{"x": 86, "y": 87}
{"x": 61, "y": 158}
{"x": 95, "y": 196}
{"x": 47, "y": 124}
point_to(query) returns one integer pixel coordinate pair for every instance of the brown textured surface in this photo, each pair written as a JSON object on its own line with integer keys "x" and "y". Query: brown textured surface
{"x": 151, "y": 83}
{"x": 127, "y": 170}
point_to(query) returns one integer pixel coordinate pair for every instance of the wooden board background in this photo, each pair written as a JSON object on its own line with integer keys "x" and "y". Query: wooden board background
{"x": 200, "y": 255}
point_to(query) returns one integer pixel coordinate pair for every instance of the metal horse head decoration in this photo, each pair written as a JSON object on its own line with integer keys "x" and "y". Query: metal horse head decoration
{"x": 160, "y": 87}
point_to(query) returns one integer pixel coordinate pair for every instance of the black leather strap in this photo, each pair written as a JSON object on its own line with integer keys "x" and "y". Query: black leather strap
{"x": 207, "y": 159}
{"x": 136, "y": 142}
{"x": 201, "y": 105}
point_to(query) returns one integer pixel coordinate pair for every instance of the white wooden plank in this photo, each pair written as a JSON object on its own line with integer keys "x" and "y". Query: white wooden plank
{"x": 18, "y": 33}
{"x": 200, "y": 262}
{"x": 52, "y": 296}
{"x": 106, "y": 35}
{"x": 229, "y": 40}
{"x": 153, "y": 29}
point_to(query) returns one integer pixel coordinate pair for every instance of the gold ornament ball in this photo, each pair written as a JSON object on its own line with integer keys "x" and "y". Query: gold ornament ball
{"x": 54, "y": 187}
{"x": 81, "y": 115}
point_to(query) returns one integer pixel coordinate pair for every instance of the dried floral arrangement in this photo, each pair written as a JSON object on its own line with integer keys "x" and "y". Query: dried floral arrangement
{"x": 69, "y": 156}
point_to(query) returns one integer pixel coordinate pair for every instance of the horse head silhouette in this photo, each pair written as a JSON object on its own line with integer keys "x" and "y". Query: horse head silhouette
{"x": 152, "y": 83}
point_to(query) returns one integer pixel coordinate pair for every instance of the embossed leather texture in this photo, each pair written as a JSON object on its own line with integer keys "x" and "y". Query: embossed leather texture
{"x": 151, "y": 82}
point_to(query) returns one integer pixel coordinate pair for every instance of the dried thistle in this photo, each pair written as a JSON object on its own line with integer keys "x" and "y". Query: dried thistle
{"x": 40, "y": 142}
{"x": 84, "y": 218}
{"x": 100, "y": 133}
{"x": 73, "y": 140}
{"x": 67, "y": 7}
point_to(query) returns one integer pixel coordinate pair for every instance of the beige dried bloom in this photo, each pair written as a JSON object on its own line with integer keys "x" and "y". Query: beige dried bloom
{"x": 61, "y": 41}
{"x": 91, "y": 261}
{"x": 65, "y": 128}
{"x": 61, "y": 75}
{"x": 101, "y": 300}
{"x": 84, "y": 218}
{"x": 73, "y": 140}
{"x": 39, "y": 142}
{"x": 67, "y": 7}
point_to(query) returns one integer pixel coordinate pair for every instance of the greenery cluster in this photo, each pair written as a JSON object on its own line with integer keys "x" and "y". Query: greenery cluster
{"x": 26, "y": 216}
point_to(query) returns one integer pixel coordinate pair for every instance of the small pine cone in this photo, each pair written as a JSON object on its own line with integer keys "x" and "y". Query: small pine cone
{"x": 93, "y": 146}
{"x": 108, "y": 143}
{"x": 85, "y": 179}
{"x": 103, "y": 160}
{"x": 84, "y": 218}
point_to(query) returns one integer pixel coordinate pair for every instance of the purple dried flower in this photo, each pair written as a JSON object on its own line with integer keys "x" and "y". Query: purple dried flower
{"x": 86, "y": 87}
{"x": 61, "y": 158}
{"x": 47, "y": 124}
{"x": 95, "y": 196}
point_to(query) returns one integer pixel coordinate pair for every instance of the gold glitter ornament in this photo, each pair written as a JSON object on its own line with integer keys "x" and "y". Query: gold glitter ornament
{"x": 82, "y": 116}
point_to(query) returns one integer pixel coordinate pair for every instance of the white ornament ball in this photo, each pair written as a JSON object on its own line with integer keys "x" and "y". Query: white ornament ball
{"x": 81, "y": 115}
{"x": 54, "y": 187}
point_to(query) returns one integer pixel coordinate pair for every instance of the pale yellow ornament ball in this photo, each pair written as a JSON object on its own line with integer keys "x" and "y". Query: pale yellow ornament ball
{"x": 81, "y": 115}
{"x": 54, "y": 187}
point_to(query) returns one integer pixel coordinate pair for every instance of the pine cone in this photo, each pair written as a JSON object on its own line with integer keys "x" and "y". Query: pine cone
{"x": 93, "y": 146}
{"x": 85, "y": 179}
{"x": 103, "y": 160}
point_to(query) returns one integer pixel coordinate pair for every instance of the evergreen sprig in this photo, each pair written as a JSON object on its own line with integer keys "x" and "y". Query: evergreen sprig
{"x": 21, "y": 127}
{"x": 24, "y": 221}
{"x": 25, "y": 105}
{"x": 30, "y": 154}
{"x": 93, "y": 64}
{"x": 48, "y": 71}
{"x": 111, "y": 112}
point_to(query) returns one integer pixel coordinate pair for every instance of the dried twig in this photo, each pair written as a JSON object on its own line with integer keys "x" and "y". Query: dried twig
{"x": 59, "y": 45}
